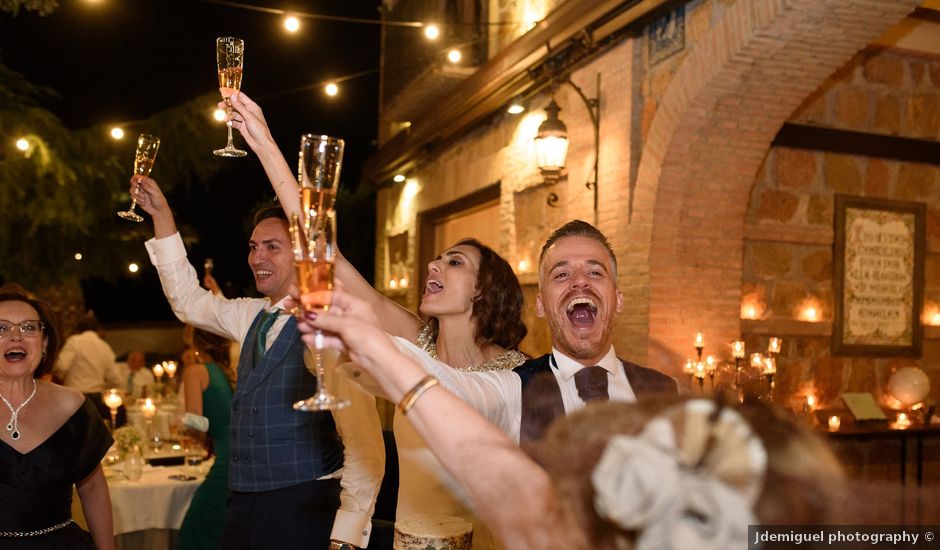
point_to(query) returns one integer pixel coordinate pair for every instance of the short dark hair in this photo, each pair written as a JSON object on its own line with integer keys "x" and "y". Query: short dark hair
{"x": 498, "y": 307}
{"x": 88, "y": 321}
{"x": 12, "y": 292}
{"x": 578, "y": 228}
{"x": 267, "y": 212}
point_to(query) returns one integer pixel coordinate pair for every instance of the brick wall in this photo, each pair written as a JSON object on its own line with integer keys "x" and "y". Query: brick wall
{"x": 789, "y": 221}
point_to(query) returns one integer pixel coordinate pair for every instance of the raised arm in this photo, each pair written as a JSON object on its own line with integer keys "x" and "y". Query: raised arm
{"x": 511, "y": 493}
{"x": 249, "y": 120}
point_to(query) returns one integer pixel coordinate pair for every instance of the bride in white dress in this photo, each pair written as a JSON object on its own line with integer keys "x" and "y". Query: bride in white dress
{"x": 473, "y": 303}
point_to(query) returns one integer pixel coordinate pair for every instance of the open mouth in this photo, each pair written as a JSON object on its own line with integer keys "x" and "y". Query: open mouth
{"x": 433, "y": 287}
{"x": 14, "y": 355}
{"x": 582, "y": 311}
{"x": 263, "y": 273}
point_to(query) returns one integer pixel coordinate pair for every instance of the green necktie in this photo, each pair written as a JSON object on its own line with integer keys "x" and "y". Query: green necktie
{"x": 264, "y": 325}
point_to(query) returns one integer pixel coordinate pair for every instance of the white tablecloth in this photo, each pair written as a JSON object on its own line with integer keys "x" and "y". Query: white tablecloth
{"x": 154, "y": 501}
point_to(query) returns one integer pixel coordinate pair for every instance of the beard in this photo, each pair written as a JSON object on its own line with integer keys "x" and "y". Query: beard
{"x": 580, "y": 347}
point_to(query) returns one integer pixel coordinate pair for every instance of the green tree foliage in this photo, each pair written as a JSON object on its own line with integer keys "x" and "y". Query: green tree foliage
{"x": 42, "y": 7}
{"x": 59, "y": 197}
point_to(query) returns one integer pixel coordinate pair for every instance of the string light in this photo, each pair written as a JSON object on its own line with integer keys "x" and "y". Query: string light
{"x": 454, "y": 56}
{"x": 431, "y": 31}
{"x": 22, "y": 144}
{"x": 515, "y": 107}
{"x": 331, "y": 89}
{"x": 133, "y": 267}
{"x": 398, "y": 178}
{"x": 291, "y": 23}
{"x": 117, "y": 132}
{"x": 78, "y": 256}
{"x": 219, "y": 115}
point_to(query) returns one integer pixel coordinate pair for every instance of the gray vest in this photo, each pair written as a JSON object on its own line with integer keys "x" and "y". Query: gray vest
{"x": 272, "y": 445}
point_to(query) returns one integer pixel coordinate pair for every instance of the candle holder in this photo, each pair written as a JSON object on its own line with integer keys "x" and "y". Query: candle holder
{"x": 114, "y": 401}
{"x": 770, "y": 370}
{"x": 170, "y": 368}
{"x": 699, "y": 345}
{"x": 710, "y": 368}
{"x": 700, "y": 375}
{"x": 149, "y": 410}
{"x": 834, "y": 423}
{"x": 689, "y": 369}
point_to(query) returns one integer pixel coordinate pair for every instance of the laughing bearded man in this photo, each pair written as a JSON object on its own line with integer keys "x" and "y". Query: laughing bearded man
{"x": 578, "y": 296}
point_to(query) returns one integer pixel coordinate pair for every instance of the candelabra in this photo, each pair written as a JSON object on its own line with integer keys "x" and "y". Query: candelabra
{"x": 737, "y": 352}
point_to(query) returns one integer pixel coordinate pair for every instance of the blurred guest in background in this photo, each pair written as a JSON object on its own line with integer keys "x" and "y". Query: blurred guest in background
{"x": 54, "y": 439}
{"x": 87, "y": 363}
{"x": 208, "y": 387}
{"x": 138, "y": 376}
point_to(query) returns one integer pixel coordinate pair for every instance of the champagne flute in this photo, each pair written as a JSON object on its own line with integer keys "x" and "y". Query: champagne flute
{"x": 321, "y": 159}
{"x": 229, "y": 53}
{"x": 315, "y": 260}
{"x": 147, "y": 146}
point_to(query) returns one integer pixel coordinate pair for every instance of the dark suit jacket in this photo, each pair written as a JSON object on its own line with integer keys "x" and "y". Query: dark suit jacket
{"x": 541, "y": 396}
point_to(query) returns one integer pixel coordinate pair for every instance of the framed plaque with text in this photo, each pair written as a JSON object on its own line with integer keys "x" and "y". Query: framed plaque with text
{"x": 878, "y": 277}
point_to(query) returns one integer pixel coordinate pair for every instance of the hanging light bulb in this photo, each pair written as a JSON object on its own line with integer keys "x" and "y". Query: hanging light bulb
{"x": 291, "y": 23}
{"x": 331, "y": 89}
{"x": 117, "y": 132}
{"x": 454, "y": 56}
{"x": 431, "y": 31}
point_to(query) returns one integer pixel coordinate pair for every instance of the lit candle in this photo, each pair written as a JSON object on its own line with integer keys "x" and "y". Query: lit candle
{"x": 757, "y": 360}
{"x": 699, "y": 340}
{"x": 700, "y": 370}
{"x": 148, "y": 409}
{"x": 158, "y": 371}
{"x": 936, "y": 319}
{"x": 774, "y": 345}
{"x": 810, "y": 401}
{"x": 737, "y": 349}
{"x": 710, "y": 365}
{"x": 688, "y": 368}
{"x": 903, "y": 421}
{"x": 393, "y": 283}
{"x": 834, "y": 423}
{"x": 403, "y": 282}
{"x": 113, "y": 399}
{"x": 170, "y": 368}
{"x": 770, "y": 365}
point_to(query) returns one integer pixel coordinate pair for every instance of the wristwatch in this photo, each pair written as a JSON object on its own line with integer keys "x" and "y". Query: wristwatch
{"x": 340, "y": 545}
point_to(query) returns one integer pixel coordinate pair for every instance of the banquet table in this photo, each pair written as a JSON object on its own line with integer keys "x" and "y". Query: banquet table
{"x": 148, "y": 512}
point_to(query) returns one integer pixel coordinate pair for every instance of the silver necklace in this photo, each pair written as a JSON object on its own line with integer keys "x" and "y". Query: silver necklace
{"x": 12, "y": 425}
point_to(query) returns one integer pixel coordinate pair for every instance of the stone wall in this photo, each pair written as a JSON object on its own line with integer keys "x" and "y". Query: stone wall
{"x": 789, "y": 222}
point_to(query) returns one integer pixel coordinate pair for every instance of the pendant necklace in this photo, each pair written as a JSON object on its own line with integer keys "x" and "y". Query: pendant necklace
{"x": 12, "y": 425}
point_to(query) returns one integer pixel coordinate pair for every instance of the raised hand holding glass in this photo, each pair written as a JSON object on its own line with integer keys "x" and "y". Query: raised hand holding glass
{"x": 229, "y": 53}
{"x": 146, "y": 154}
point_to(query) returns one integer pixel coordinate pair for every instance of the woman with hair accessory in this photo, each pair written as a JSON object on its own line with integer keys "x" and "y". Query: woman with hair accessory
{"x": 668, "y": 474}
{"x": 52, "y": 438}
{"x": 473, "y": 304}
{"x": 209, "y": 384}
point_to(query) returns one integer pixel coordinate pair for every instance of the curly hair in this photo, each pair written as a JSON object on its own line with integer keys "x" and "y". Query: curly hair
{"x": 215, "y": 348}
{"x": 12, "y": 292}
{"x": 497, "y": 308}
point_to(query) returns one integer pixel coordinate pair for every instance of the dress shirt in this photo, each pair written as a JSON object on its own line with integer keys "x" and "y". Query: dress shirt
{"x": 86, "y": 363}
{"x": 497, "y": 395}
{"x": 358, "y": 424}
{"x": 134, "y": 383}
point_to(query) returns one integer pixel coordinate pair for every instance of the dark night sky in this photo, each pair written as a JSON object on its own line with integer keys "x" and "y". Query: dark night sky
{"x": 122, "y": 60}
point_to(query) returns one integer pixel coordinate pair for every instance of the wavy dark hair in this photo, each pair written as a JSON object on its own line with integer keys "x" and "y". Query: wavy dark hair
{"x": 12, "y": 292}
{"x": 498, "y": 307}
{"x": 214, "y": 348}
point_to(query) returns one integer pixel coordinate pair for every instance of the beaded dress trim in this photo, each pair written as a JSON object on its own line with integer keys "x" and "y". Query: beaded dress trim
{"x": 508, "y": 360}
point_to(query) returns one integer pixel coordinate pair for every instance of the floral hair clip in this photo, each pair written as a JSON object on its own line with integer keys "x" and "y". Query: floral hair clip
{"x": 689, "y": 480}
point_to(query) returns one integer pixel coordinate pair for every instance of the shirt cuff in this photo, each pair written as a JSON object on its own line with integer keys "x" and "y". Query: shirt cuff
{"x": 166, "y": 250}
{"x": 352, "y": 528}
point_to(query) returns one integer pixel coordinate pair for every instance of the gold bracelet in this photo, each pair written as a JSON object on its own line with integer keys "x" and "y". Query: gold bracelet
{"x": 414, "y": 393}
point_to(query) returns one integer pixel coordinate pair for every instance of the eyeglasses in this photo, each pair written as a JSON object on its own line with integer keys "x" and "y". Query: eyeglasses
{"x": 29, "y": 329}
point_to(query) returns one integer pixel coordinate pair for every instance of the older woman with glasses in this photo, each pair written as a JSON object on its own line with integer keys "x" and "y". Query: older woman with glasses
{"x": 51, "y": 439}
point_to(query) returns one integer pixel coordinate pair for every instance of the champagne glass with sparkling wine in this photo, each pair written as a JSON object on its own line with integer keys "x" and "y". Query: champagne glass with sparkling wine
{"x": 313, "y": 235}
{"x": 230, "y": 54}
{"x": 147, "y": 146}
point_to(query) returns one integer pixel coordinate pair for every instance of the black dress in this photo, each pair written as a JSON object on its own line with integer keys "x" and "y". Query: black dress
{"x": 36, "y": 487}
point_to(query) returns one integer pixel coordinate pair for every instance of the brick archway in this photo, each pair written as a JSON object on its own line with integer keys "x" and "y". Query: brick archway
{"x": 712, "y": 129}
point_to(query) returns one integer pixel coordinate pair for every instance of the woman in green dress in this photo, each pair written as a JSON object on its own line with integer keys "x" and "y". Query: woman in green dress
{"x": 209, "y": 384}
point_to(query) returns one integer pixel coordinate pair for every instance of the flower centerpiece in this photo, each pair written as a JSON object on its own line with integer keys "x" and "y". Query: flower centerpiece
{"x": 126, "y": 438}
